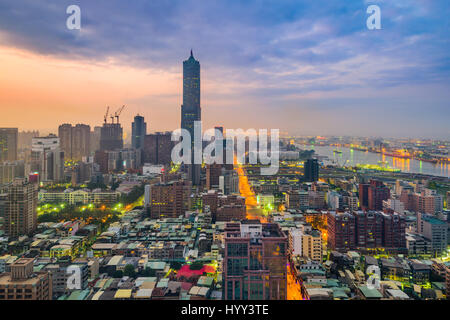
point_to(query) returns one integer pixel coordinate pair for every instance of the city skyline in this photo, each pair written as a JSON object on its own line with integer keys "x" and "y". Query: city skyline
{"x": 330, "y": 76}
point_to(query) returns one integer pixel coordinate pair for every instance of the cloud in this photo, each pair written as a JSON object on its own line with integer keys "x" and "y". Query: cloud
{"x": 254, "y": 50}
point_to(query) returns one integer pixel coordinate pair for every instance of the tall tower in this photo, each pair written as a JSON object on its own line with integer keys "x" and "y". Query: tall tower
{"x": 190, "y": 109}
{"x": 138, "y": 132}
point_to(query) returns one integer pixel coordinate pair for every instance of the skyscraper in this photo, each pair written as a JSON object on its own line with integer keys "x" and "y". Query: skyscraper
{"x": 8, "y": 144}
{"x": 311, "y": 170}
{"x": 138, "y": 132}
{"x": 190, "y": 109}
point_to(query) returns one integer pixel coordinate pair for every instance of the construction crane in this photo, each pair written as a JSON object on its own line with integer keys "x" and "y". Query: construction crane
{"x": 106, "y": 114}
{"x": 118, "y": 112}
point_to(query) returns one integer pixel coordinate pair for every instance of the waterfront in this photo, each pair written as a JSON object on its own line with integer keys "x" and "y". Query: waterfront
{"x": 351, "y": 157}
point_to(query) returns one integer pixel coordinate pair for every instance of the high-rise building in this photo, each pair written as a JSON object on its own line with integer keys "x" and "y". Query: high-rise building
{"x": 65, "y": 139}
{"x": 138, "y": 132}
{"x": 47, "y": 158}
{"x": 8, "y": 144}
{"x": 170, "y": 199}
{"x": 22, "y": 283}
{"x": 158, "y": 148}
{"x": 369, "y": 229}
{"x": 95, "y": 139}
{"x": 377, "y": 193}
{"x": 25, "y": 139}
{"x": 341, "y": 231}
{"x": 229, "y": 181}
{"x": 190, "y": 109}
{"x": 363, "y": 195}
{"x": 311, "y": 170}
{"x": 394, "y": 231}
{"x": 213, "y": 173}
{"x": 19, "y": 206}
{"x": 111, "y": 137}
{"x": 10, "y": 170}
{"x": 255, "y": 261}
{"x": 312, "y": 245}
{"x": 81, "y": 141}
{"x": 75, "y": 141}
{"x": 434, "y": 230}
{"x": 366, "y": 230}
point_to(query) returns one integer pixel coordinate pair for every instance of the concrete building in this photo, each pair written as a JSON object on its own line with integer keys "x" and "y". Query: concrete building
{"x": 8, "y": 144}
{"x": 255, "y": 261}
{"x": 170, "y": 199}
{"x": 24, "y": 284}
{"x": 19, "y": 207}
{"x": 47, "y": 158}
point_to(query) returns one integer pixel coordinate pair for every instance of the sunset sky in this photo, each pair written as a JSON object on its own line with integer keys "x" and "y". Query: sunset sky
{"x": 307, "y": 67}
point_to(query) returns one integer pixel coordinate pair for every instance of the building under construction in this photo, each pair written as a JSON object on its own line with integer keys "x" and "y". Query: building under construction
{"x": 111, "y": 134}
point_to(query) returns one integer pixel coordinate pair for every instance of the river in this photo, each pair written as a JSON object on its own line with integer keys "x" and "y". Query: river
{"x": 351, "y": 157}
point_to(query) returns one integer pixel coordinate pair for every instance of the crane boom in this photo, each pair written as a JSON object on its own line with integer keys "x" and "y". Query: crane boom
{"x": 118, "y": 112}
{"x": 106, "y": 114}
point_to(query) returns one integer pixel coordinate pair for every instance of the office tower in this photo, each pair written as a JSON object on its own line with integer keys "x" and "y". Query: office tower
{"x": 8, "y": 144}
{"x": 138, "y": 132}
{"x": 363, "y": 195}
{"x": 311, "y": 170}
{"x": 369, "y": 229}
{"x": 190, "y": 109}
{"x": 158, "y": 148}
{"x": 377, "y": 193}
{"x": 213, "y": 173}
{"x": 255, "y": 261}
{"x": 19, "y": 207}
{"x": 22, "y": 283}
{"x": 47, "y": 158}
{"x": 111, "y": 137}
{"x": 341, "y": 231}
{"x": 170, "y": 200}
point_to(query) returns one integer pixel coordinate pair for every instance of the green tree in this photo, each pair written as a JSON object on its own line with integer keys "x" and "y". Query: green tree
{"x": 176, "y": 265}
{"x": 117, "y": 274}
{"x": 129, "y": 271}
{"x": 197, "y": 265}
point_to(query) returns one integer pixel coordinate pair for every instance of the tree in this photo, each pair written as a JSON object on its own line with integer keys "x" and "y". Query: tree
{"x": 129, "y": 271}
{"x": 117, "y": 274}
{"x": 197, "y": 265}
{"x": 176, "y": 265}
